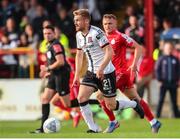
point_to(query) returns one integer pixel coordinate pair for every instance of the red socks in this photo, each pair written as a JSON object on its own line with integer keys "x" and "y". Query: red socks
{"x": 109, "y": 113}
{"x": 147, "y": 111}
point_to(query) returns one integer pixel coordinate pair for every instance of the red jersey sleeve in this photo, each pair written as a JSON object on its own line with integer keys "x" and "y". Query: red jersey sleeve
{"x": 57, "y": 48}
{"x": 127, "y": 41}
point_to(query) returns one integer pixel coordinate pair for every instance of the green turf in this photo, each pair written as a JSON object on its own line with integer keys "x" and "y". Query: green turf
{"x": 129, "y": 128}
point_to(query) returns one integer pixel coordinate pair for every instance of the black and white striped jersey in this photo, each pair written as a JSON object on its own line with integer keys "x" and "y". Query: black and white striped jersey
{"x": 92, "y": 45}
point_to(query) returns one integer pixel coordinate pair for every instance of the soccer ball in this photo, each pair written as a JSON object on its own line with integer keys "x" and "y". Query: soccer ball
{"x": 51, "y": 125}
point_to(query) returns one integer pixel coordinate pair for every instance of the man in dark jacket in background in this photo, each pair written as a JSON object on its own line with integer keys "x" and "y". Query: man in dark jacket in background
{"x": 167, "y": 73}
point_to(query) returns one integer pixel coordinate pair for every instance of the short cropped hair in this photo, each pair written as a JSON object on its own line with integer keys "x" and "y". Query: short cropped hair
{"x": 49, "y": 27}
{"x": 109, "y": 16}
{"x": 82, "y": 12}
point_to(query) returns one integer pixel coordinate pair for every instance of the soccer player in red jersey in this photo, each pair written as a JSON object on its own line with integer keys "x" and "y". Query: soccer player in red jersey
{"x": 124, "y": 74}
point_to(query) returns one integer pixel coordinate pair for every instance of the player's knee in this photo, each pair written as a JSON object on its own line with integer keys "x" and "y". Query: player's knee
{"x": 111, "y": 106}
{"x": 81, "y": 99}
{"x": 99, "y": 97}
{"x": 45, "y": 99}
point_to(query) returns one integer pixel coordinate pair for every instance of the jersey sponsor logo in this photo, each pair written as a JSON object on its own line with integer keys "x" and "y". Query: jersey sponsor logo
{"x": 49, "y": 55}
{"x": 57, "y": 48}
{"x": 113, "y": 41}
{"x": 128, "y": 39}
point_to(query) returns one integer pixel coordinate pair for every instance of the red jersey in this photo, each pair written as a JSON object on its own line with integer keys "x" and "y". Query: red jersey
{"x": 119, "y": 43}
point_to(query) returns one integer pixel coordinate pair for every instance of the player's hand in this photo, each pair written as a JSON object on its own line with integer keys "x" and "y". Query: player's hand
{"x": 133, "y": 70}
{"x": 100, "y": 74}
{"x": 76, "y": 81}
{"x": 43, "y": 68}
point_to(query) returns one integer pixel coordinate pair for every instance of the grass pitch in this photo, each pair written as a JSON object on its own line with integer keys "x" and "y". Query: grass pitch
{"x": 134, "y": 128}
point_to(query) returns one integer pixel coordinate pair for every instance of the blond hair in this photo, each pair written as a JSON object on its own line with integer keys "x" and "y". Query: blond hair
{"x": 82, "y": 12}
{"x": 109, "y": 16}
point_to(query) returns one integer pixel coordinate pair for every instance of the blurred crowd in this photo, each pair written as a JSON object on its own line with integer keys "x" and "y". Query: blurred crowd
{"x": 21, "y": 23}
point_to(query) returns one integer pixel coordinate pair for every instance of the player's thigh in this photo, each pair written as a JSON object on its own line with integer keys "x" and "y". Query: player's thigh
{"x": 110, "y": 102}
{"x": 47, "y": 95}
{"x": 99, "y": 96}
{"x": 131, "y": 93}
{"x": 85, "y": 92}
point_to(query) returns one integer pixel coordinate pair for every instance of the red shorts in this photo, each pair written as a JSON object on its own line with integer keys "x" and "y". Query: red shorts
{"x": 123, "y": 81}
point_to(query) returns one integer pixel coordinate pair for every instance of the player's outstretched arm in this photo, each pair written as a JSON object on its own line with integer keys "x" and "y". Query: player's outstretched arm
{"x": 137, "y": 54}
{"x": 79, "y": 61}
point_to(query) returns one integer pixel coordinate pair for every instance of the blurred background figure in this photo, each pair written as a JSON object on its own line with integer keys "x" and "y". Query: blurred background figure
{"x": 145, "y": 75}
{"x": 135, "y": 31}
{"x": 8, "y": 60}
{"x": 24, "y": 60}
{"x": 167, "y": 73}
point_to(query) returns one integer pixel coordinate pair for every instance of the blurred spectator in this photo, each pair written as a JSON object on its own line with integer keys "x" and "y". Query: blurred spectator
{"x": 24, "y": 60}
{"x": 7, "y": 10}
{"x": 73, "y": 8}
{"x": 134, "y": 30}
{"x": 91, "y": 5}
{"x": 65, "y": 23}
{"x": 167, "y": 25}
{"x": 159, "y": 8}
{"x": 38, "y": 20}
{"x": 129, "y": 12}
{"x": 31, "y": 36}
{"x": 140, "y": 12}
{"x": 157, "y": 31}
{"x": 145, "y": 75}
{"x": 8, "y": 60}
{"x": 50, "y": 6}
{"x": 31, "y": 12}
{"x": 11, "y": 31}
{"x": 167, "y": 73}
{"x": 24, "y": 21}
{"x": 140, "y": 8}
